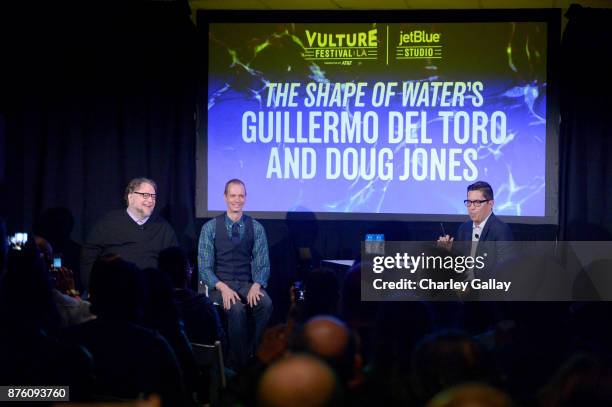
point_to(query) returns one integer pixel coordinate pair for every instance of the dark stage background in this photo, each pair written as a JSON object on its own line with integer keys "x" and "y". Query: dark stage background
{"x": 96, "y": 96}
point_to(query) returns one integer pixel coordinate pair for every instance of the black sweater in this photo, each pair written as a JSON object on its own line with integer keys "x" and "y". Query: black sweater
{"x": 117, "y": 233}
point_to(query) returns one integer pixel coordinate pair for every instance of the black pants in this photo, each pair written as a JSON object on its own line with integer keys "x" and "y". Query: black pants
{"x": 241, "y": 344}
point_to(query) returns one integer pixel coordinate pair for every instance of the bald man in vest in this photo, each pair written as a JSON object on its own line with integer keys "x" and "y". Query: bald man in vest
{"x": 233, "y": 262}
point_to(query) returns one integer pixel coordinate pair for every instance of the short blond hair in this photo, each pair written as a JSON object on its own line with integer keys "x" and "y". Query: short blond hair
{"x": 234, "y": 181}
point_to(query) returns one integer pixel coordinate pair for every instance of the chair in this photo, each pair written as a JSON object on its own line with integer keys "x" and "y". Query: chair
{"x": 202, "y": 288}
{"x": 209, "y": 359}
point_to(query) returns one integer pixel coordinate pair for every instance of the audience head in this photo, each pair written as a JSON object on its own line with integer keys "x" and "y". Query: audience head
{"x": 471, "y": 395}
{"x": 174, "y": 262}
{"x": 117, "y": 289}
{"x": 333, "y": 341}
{"x": 584, "y": 380}
{"x": 446, "y": 359}
{"x": 297, "y": 381}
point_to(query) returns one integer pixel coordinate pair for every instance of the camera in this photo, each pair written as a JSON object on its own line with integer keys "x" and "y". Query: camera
{"x": 17, "y": 241}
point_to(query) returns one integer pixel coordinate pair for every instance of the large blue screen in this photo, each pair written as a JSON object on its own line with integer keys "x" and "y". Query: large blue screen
{"x": 376, "y": 118}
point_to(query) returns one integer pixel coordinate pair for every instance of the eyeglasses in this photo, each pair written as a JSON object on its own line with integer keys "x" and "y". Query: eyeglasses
{"x": 476, "y": 203}
{"x": 145, "y": 195}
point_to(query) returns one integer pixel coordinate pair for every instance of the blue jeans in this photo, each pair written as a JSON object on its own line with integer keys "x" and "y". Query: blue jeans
{"x": 241, "y": 344}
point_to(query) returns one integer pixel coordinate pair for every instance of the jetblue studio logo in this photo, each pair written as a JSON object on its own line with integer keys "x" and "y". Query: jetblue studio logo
{"x": 341, "y": 48}
{"x": 419, "y": 44}
{"x": 418, "y": 37}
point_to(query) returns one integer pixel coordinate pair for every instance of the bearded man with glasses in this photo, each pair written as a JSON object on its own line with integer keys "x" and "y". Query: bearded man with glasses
{"x": 134, "y": 233}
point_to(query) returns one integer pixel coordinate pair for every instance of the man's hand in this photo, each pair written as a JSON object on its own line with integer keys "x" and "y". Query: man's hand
{"x": 229, "y": 296}
{"x": 445, "y": 242}
{"x": 254, "y": 294}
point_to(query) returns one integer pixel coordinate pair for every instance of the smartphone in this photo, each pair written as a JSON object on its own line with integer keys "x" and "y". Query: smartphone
{"x": 18, "y": 240}
{"x": 57, "y": 262}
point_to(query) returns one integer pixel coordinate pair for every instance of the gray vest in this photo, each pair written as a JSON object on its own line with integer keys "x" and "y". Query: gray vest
{"x": 233, "y": 262}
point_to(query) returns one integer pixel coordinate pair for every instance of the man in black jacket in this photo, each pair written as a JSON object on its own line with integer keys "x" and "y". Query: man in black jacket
{"x": 484, "y": 232}
{"x": 135, "y": 233}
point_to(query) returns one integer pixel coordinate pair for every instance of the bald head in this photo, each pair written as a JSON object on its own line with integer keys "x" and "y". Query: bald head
{"x": 326, "y": 336}
{"x": 332, "y": 340}
{"x": 298, "y": 381}
{"x": 471, "y": 395}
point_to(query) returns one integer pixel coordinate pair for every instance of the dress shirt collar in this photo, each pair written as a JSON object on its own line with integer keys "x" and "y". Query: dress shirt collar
{"x": 229, "y": 222}
{"x": 140, "y": 221}
{"x": 477, "y": 230}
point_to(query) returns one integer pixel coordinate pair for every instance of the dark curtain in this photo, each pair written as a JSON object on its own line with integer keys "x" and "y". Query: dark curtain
{"x": 586, "y": 130}
{"x": 99, "y": 93}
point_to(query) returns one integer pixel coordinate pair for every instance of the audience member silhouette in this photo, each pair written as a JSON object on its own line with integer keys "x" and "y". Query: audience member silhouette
{"x": 303, "y": 230}
{"x": 129, "y": 360}
{"x": 161, "y": 314}
{"x": 584, "y": 380}
{"x": 321, "y": 295}
{"x": 589, "y": 334}
{"x": 199, "y": 314}
{"x": 471, "y": 395}
{"x": 72, "y": 309}
{"x": 358, "y": 314}
{"x": 55, "y": 225}
{"x": 29, "y": 352}
{"x": 242, "y": 389}
{"x": 399, "y": 327}
{"x": 536, "y": 333}
{"x": 298, "y": 381}
{"x": 333, "y": 341}
{"x": 445, "y": 359}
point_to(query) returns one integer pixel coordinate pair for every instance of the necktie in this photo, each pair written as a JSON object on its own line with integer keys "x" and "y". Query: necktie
{"x": 235, "y": 234}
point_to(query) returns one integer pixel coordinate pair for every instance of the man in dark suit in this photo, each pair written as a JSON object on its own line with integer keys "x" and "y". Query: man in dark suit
{"x": 484, "y": 232}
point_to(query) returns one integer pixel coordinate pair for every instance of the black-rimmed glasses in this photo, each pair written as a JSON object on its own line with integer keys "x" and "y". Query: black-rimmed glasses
{"x": 476, "y": 203}
{"x": 145, "y": 195}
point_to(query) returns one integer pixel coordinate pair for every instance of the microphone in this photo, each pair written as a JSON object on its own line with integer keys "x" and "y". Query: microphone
{"x": 477, "y": 236}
